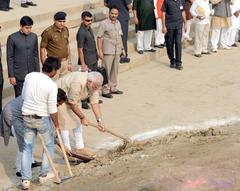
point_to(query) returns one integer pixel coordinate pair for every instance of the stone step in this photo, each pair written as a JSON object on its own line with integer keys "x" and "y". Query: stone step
{"x": 41, "y": 13}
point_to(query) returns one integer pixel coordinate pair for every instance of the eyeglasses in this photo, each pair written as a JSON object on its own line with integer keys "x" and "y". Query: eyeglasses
{"x": 88, "y": 20}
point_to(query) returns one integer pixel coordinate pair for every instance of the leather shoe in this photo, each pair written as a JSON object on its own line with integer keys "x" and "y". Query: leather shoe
{"x": 85, "y": 105}
{"x": 179, "y": 67}
{"x": 100, "y": 101}
{"x": 18, "y": 174}
{"x": 140, "y": 51}
{"x": 117, "y": 92}
{"x": 4, "y": 9}
{"x": 31, "y": 4}
{"x": 172, "y": 65}
{"x": 159, "y": 46}
{"x": 198, "y": 55}
{"x": 206, "y": 53}
{"x": 107, "y": 95}
{"x": 36, "y": 164}
{"x": 124, "y": 59}
{"x": 24, "y": 5}
{"x": 151, "y": 50}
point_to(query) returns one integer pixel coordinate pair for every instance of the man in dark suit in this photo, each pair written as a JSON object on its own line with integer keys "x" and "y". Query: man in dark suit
{"x": 22, "y": 54}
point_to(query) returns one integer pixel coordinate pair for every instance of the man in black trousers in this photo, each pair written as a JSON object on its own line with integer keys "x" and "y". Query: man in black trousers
{"x": 4, "y": 5}
{"x": 172, "y": 22}
{"x": 22, "y": 54}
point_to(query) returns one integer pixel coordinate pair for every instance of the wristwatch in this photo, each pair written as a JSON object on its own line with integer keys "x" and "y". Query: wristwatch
{"x": 99, "y": 120}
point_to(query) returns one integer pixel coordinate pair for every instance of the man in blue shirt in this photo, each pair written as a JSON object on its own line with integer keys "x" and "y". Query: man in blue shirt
{"x": 172, "y": 22}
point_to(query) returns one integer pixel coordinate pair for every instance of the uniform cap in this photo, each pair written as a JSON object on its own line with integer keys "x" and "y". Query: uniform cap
{"x": 60, "y": 16}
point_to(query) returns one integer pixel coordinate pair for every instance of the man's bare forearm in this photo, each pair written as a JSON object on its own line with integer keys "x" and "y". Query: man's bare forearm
{"x": 54, "y": 117}
{"x": 76, "y": 110}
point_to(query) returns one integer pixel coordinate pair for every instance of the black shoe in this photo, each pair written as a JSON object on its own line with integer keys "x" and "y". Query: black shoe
{"x": 117, "y": 92}
{"x": 100, "y": 101}
{"x": 36, "y": 164}
{"x": 140, "y": 51}
{"x": 124, "y": 59}
{"x": 151, "y": 50}
{"x": 206, "y": 53}
{"x": 18, "y": 174}
{"x": 24, "y": 5}
{"x": 159, "y": 46}
{"x": 31, "y": 4}
{"x": 108, "y": 95}
{"x": 4, "y": 9}
{"x": 179, "y": 67}
{"x": 10, "y": 8}
{"x": 85, "y": 105}
{"x": 198, "y": 55}
{"x": 172, "y": 66}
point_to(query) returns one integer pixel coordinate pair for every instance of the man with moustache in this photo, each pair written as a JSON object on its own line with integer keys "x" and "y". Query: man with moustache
{"x": 55, "y": 43}
{"x": 109, "y": 41}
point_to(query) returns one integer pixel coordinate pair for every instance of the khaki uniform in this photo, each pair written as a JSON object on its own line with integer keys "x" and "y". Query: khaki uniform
{"x": 112, "y": 47}
{"x": 56, "y": 43}
{"x": 74, "y": 84}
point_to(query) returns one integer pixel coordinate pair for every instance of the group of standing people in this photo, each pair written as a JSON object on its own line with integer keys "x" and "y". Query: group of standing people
{"x": 36, "y": 93}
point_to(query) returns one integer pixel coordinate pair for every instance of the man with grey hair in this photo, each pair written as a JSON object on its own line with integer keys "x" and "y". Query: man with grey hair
{"x": 79, "y": 86}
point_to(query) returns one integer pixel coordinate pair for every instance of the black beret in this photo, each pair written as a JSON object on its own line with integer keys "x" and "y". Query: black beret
{"x": 60, "y": 16}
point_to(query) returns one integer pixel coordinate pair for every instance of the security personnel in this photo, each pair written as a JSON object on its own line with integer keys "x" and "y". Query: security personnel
{"x": 55, "y": 43}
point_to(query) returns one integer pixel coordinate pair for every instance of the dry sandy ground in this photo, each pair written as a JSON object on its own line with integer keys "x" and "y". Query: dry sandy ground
{"x": 206, "y": 160}
{"x": 157, "y": 99}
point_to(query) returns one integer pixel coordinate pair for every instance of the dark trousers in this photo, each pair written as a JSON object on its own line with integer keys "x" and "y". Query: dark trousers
{"x": 4, "y": 3}
{"x": 18, "y": 88}
{"x": 173, "y": 39}
{"x": 1, "y": 81}
{"x": 124, "y": 25}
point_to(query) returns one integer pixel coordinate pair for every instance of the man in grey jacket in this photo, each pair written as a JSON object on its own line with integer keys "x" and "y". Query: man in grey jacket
{"x": 22, "y": 54}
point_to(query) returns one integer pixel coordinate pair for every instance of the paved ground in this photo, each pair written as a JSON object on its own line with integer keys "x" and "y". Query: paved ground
{"x": 158, "y": 99}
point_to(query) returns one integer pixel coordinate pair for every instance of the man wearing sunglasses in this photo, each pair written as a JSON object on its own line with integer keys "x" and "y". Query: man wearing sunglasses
{"x": 87, "y": 51}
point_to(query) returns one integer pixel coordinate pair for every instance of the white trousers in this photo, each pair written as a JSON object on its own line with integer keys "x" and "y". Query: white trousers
{"x": 201, "y": 38}
{"x": 186, "y": 34}
{"x": 77, "y": 132}
{"x": 232, "y": 33}
{"x": 219, "y": 36}
{"x": 159, "y": 36}
{"x": 144, "y": 39}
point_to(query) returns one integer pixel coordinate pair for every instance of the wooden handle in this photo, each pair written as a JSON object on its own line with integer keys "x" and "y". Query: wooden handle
{"x": 64, "y": 153}
{"x": 110, "y": 132}
{"x": 49, "y": 158}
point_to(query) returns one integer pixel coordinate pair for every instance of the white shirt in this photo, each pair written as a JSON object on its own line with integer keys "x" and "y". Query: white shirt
{"x": 39, "y": 94}
{"x": 205, "y": 5}
{"x": 235, "y": 20}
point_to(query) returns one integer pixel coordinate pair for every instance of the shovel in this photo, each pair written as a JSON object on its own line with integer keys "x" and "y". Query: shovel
{"x": 126, "y": 140}
{"x": 64, "y": 153}
{"x": 58, "y": 179}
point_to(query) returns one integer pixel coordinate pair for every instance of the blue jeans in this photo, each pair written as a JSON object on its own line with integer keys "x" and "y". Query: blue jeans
{"x": 34, "y": 126}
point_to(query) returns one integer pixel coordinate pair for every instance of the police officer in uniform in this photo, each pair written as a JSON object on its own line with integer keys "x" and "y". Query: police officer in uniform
{"x": 55, "y": 43}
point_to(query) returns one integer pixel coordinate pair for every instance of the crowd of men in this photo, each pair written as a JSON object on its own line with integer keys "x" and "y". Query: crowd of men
{"x": 50, "y": 99}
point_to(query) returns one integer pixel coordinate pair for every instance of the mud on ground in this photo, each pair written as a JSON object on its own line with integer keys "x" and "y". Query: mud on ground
{"x": 206, "y": 160}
